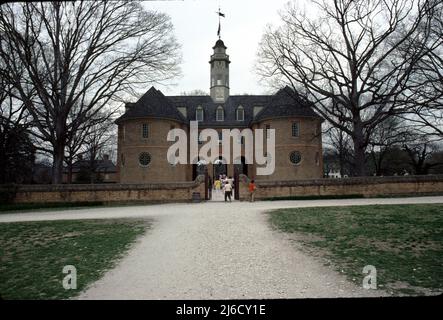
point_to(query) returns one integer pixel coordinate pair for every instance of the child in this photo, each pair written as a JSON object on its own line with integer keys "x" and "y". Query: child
{"x": 228, "y": 191}
{"x": 251, "y": 190}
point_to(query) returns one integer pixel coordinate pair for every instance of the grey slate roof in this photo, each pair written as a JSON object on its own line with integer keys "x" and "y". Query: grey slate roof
{"x": 152, "y": 104}
{"x": 285, "y": 103}
{"x": 230, "y": 108}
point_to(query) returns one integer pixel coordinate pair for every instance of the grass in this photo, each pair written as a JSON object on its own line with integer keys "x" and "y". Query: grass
{"x": 404, "y": 242}
{"x": 314, "y": 197}
{"x": 33, "y": 254}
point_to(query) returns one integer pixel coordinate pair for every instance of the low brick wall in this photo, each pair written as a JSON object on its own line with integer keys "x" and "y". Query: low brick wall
{"x": 363, "y": 186}
{"x": 106, "y": 193}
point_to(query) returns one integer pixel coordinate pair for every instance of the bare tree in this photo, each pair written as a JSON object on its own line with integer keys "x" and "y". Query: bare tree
{"x": 340, "y": 149}
{"x": 387, "y": 135}
{"x": 421, "y": 153}
{"x": 425, "y": 92}
{"x": 17, "y": 151}
{"x": 347, "y": 60}
{"x": 96, "y": 144}
{"x": 90, "y": 139}
{"x": 80, "y": 57}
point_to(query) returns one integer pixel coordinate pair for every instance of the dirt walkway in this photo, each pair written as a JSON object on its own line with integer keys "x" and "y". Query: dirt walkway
{"x": 216, "y": 251}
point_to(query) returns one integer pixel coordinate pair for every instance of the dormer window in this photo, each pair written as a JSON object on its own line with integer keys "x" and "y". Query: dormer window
{"x": 220, "y": 114}
{"x": 240, "y": 113}
{"x": 199, "y": 113}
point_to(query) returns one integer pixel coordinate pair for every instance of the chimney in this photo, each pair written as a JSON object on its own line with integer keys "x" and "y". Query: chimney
{"x": 106, "y": 157}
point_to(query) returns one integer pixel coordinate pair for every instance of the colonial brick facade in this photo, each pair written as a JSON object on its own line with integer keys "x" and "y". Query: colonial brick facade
{"x": 143, "y": 129}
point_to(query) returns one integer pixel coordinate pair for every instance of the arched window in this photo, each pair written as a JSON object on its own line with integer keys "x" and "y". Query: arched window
{"x": 199, "y": 113}
{"x": 220, "y": 114}
{"x": 240, "y": 113}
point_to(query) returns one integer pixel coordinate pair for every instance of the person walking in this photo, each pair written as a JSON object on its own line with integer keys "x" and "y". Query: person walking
{"x": 228, "y": 191}
{"x": 252, "y": 188}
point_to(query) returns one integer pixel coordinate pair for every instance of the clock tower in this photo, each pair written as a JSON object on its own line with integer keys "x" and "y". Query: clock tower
{"x": 219, "y": 73}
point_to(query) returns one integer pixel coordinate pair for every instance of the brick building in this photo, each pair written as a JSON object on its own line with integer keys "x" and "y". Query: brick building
{"x": 143, "y": 129}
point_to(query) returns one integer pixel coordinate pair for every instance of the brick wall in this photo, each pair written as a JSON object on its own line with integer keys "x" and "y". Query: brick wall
{"x": 365, "y": 186}
{"x": 154, "y": 192}
{"x": 182, "y": 191}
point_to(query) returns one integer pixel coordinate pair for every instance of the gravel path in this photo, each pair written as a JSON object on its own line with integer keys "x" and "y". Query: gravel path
{"x": 216, "y": 250}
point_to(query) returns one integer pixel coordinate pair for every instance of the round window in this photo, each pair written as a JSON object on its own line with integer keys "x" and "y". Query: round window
{"x": 144, "y": 159}
{"x": 295, "y": 157}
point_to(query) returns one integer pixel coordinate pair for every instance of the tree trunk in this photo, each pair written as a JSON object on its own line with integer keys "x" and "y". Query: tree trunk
{"x": 70, "y": 173}
{"x": 359, "y": 168}
{"x": 57, "y": 165}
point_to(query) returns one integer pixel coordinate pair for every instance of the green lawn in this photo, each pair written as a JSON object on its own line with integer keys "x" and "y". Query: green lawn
{"x": 33, "y": 254}
{"x": 404, "y": 242}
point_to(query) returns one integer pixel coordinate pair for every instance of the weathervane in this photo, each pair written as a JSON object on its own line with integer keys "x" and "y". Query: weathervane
{"x": 219, "y": 22}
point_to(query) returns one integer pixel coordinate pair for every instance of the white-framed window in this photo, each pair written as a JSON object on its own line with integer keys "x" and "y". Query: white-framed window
{"x": 240, "y": 113}
{"x": 145, "y": 130}
{"x": 199, "y": 113}
{"x": 295, "y": 129}
{"x": 220, "y": 114}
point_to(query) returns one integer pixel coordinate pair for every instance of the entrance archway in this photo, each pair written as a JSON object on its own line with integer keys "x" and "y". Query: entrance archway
{"x": 219, "y": 167}
{"x": 199, "y": 168}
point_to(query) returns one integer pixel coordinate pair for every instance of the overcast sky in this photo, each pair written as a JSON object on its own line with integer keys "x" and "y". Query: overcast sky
{"x": 196, "y": 23}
